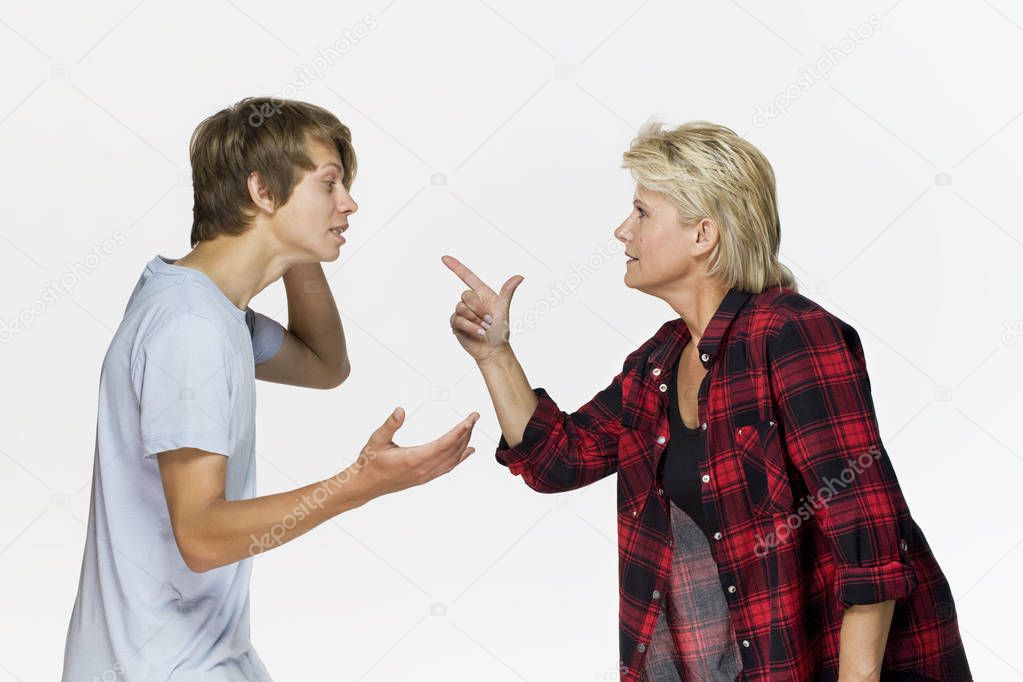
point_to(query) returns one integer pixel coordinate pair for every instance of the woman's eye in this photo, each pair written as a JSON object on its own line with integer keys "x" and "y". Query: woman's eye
{"x": 331, "y": 183}
{"x": 642, "y": 213}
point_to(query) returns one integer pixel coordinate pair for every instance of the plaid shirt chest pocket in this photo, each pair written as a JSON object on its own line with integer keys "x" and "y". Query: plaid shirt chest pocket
{"x": 761, "y": 458}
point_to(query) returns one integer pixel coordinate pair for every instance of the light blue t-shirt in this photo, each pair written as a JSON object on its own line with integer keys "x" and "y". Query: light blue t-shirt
{"x": 180, "y": 372}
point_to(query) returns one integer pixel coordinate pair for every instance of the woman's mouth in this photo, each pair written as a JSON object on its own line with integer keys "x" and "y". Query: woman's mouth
{"x": 336, "y": 231}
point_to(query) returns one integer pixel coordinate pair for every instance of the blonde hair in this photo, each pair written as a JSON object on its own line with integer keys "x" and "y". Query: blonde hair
{"x": 262, "y": 134}
{"x": 710, "y": 172}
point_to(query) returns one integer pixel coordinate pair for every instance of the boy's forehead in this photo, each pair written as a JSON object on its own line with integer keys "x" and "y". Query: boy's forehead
{"x": 320, "y": 153}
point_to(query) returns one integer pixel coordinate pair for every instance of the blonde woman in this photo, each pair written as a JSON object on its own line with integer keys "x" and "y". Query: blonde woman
{"x": 762, "y": 531}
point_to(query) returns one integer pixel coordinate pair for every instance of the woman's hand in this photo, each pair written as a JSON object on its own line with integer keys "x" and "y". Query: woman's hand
{"x": 480, "y": 322}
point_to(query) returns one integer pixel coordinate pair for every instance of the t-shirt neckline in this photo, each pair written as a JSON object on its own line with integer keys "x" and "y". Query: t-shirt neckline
{"x": 167, "y": 265}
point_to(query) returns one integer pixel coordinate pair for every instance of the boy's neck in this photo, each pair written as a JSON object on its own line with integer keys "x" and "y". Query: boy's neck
{"x": 240, "y": 266}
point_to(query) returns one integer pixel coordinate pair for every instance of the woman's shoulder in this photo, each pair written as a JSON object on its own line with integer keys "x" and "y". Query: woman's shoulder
{"x": 784, "y": 321}
{"x": 774, "y": 308}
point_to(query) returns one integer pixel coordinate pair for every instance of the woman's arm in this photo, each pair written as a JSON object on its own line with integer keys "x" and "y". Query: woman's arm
{"x": 862, "y": 641}
{"x": 553, "y": 451}
{"x": 513, "y": 398}
{"x": 821, "y": 392}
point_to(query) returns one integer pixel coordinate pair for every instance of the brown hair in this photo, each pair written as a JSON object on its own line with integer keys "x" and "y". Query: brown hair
{"x": 263, "y": 134}
{"x": 709, "y": 171}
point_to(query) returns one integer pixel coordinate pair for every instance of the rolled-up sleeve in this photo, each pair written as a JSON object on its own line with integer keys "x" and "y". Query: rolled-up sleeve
{"x": 821, "y": 392}
{"x": 561, "y": 451}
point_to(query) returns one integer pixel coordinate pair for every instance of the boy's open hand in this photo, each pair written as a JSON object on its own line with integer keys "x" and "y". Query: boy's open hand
{"x": 392, "y": 468}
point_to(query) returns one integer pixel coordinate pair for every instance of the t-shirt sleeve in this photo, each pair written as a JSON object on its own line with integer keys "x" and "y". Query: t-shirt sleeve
{"x": 267, "y": 335}
{"x": 182, "y": 378}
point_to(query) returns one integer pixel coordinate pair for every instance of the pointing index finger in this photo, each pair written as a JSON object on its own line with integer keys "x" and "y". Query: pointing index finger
{"x": 464, "y": 273}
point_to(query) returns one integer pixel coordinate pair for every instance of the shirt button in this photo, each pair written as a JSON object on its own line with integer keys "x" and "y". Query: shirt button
{"x": 656, "y": 595}
{"x": 705, "y": 478}
{"x": 705, "y": 357}
{"x": 641, "y": 647}
{"x": 635, "y": 513}
{"x": 745, "y": 643}
{"x": 703, "y": 426}
{"x": 663, "y": 387}
{"x": 656, "y": 371}
{"x": 731, "y": 589}
{"x": 660, "y": 491}
{"x": 904, "y": 545}
{"x": 717, "y": 535}
{"x": 661, "y": 439}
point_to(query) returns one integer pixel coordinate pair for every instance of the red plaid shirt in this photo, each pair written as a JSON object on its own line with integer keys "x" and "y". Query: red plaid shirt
{"x": 808, "y": 514}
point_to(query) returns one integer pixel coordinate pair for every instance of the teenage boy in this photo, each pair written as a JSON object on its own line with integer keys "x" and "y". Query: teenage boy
{"x": 173, "y": 519}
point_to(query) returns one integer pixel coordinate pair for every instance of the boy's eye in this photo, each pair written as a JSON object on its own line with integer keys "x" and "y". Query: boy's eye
{"x": 331, "y": 183}
{"x": 642, "y": 213}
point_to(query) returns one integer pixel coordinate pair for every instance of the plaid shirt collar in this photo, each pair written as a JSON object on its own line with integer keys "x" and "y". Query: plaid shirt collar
{"x": 678, "y": 334}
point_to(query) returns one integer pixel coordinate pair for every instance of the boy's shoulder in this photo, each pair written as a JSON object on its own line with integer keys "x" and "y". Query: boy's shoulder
{"x": 167, "y": 302}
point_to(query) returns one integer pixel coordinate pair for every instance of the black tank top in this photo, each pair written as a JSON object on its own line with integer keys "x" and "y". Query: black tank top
{"x": 681, "y": 472}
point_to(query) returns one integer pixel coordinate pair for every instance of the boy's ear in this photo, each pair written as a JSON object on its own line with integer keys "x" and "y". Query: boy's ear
{"x": 259, "y": 193}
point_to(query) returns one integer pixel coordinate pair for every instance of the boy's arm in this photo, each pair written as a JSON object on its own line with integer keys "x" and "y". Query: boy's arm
{"x": 211, "y": 531}
{"x": 313, "y": 352}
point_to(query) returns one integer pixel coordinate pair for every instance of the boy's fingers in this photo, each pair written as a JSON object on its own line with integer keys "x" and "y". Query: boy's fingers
{"x": 460, "y": 429}
{"x": 462, "y": 457}
{"x": 385, "y": 433}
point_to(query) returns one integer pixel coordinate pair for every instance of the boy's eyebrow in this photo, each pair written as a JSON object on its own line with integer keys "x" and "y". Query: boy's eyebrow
{"x": 331, "y": 163}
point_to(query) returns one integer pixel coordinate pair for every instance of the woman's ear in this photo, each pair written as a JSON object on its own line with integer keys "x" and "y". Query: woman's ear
{"x": 707, "y": 232}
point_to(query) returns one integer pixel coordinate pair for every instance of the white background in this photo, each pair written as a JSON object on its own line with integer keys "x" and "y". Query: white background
{"x": 494, "y": 132}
